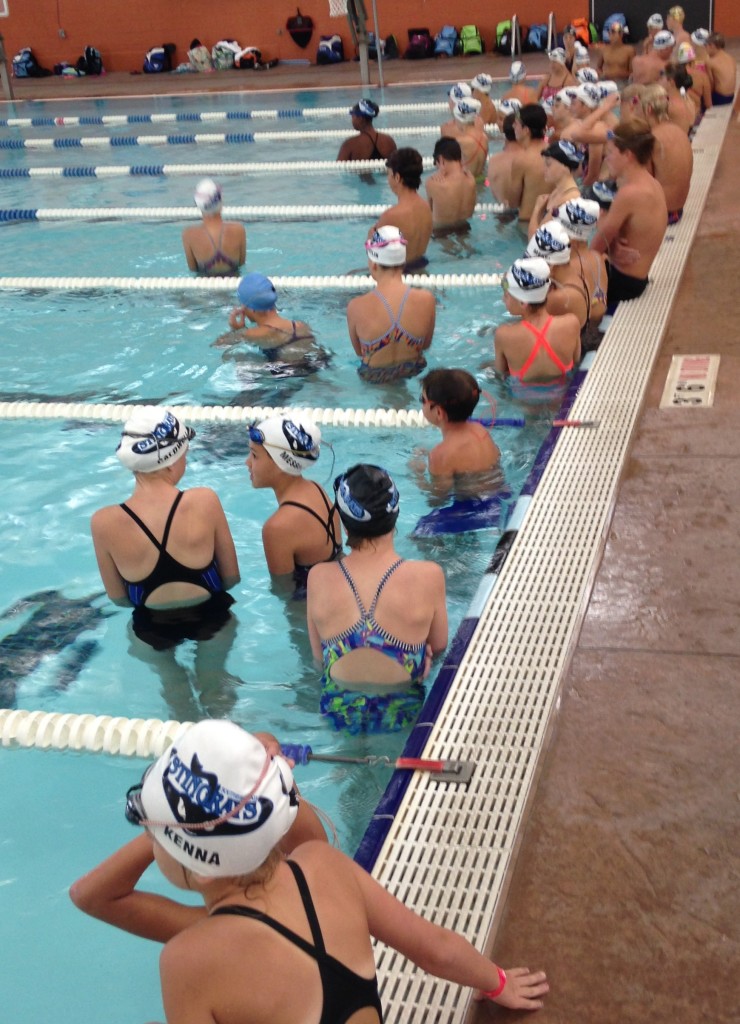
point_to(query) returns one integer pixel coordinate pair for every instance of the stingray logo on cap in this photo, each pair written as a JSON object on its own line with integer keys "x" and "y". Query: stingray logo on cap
{"x": 299, "y": 440}
{"x": 196, "y": 797}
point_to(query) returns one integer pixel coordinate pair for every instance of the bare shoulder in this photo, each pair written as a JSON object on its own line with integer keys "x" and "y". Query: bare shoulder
{"x": 101, "y": 520}
{"x": 203, "y": 496}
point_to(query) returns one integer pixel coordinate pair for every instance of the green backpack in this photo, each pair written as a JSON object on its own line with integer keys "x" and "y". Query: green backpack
{"x": 470, "y": 40}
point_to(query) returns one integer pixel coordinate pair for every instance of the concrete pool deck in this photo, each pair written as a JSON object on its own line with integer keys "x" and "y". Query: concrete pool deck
{"x": 625, "y": 886}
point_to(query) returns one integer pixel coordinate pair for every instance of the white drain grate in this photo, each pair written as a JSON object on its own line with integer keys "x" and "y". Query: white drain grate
{"x": 450, "y": 849}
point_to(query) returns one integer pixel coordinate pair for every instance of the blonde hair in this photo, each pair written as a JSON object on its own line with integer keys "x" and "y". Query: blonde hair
{"x": 655, "y": 97}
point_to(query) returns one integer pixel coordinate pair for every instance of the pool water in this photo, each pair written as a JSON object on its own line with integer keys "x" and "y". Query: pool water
{"x": 63, "y": 645}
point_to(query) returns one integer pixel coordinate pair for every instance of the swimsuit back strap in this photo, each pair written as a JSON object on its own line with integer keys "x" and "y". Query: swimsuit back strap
{"x": 345, "y": 572}
{"x": 311, "y": 916}
{"x": 387, "y": 305}
{"x": 383, "y": 580}
{"x": 397, "y": 322}
{"x": 159, "y": 545}
{"x": 329, "y": 525}
{"x": 277, "y": 926}
{"x": 539, "y": 342}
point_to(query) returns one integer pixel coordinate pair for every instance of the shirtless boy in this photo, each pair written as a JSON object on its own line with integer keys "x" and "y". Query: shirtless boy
{"x": 527, "y": 168}
{"x": 616, "y": 55}
{"x": 451, "y": 189}
{"x": 448, "y": 398}
{"x": 411, "y": 214}
{"x": 722, "y": 70}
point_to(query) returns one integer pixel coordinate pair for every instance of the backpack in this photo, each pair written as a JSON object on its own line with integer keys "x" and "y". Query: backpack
{"x": 503, "y": 37}
{"x": 90, "y": 63}
{"x": 156, "y": 60}
{"x": 614, "y": 19}
{"x": 25, "y": 65}
{"x": 584, "y": 31}
{"x": 250, "y": 57}
{"x": 199, "y": 57}
{"x": 372, "y": 46}
{"x": 420, "y": 44}
{"x": 536, "y": 38}
{"x": 470, "y": 40}
{"x": 445, "y": 41}
{"x": 331, "y": 50}
{"x": 224, "y": 54}
{"x": 391, "y": 50}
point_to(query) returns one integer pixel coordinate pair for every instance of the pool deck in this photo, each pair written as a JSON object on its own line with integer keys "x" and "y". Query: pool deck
{"x": 625, "y": 887}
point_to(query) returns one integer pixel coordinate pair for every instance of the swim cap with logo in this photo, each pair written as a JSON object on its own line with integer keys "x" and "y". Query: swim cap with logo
{"x": 387, "y": 246}
{"x": 466, "y": 111}
{"x": 460, "y": 91}
{"x": 517, "y": 71}
{"x": 655, "y": 21}
{"x": 557, "y": 55}
{"x": 700, "y": 37}
{"x": 589, "y": 94}
{"x": 566, "y": 153}
{"x": 216, "y": 801}
{"x": 291, "y": 444}
{"x": 685, "y": 54}
{"x": 552, "y": 242}
{"x": 587, "y": 75}
{"x": 208, "y": 196}
{"x": 528, "y": 279}
{"x": 482, "y": 82}
{"x": 365, "y": 108}
{"x": 507, "y": 106}
{"x": 152, "y": 439}
{"x": 664, "y": 40}
{"x": 579, "y": 217}
{"x": 367, "y": 500}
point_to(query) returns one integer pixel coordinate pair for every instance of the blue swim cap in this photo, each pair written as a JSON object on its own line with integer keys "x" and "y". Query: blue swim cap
{"x": 255, "y": 291}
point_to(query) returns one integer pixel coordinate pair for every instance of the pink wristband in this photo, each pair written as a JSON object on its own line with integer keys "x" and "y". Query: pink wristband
{"x": 496, "y": 992}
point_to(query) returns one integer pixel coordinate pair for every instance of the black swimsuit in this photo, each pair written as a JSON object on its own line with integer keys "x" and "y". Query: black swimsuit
{"x": 300, "y": 572}
{"x": 345, "y": 992}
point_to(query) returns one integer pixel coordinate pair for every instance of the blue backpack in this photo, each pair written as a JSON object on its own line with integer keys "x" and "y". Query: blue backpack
{"x": 25, "y": 65}
{"x": 331, "y": 50}
{"x": 445, "y": 41}
{"x": 537, "y": 37}
{"x": 156, "y": 60}
{"x": 614, "y": 19}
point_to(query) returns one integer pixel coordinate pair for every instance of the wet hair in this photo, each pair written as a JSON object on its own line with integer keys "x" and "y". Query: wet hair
{"x": 532, "y": 116}
{"x": 635, "y": 138}
{"x": 655, "y": 97}
{"x": 448, "y": 148}
{"x": 507, "y": 127}
{"x": 455, "y": 391}
{"x": 408, "y": 164}
{"x": 680, "y": 77}
{"x": 717, "y": 39}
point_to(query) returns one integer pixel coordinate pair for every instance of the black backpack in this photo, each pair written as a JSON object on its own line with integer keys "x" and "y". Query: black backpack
{"x": 90, "y": 63}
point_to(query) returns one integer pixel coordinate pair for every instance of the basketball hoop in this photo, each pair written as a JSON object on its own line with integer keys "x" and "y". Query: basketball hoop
{"x": 337, "y": 8}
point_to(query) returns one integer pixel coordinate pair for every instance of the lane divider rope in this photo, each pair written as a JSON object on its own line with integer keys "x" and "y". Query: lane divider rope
{"x": 345, "y": 282}
{"x": 205, "y": 139}
{"x": 199, "y": 170}
{"x": 212, "y": 115}
{"x": 337, "y": 212}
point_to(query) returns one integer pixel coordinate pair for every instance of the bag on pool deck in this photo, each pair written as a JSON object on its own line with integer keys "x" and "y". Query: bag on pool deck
{"x": 249, "y": 57}
{"x": 25, "y": 65}
{"x": 445, "y": 41}
{"x": 90, "y": 63}
{"x": 503, "y": 37}
{"x": 331, "y": 50}
{"x": 224, "y": 54}
{"x": 470, "y": 40}
{"x": 199, "y": 56}
{"x": 536, "y": 38}
{"x": 420, "y": 44}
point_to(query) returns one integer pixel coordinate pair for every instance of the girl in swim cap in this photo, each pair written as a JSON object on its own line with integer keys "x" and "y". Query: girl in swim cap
{"x": 215, "y": 247}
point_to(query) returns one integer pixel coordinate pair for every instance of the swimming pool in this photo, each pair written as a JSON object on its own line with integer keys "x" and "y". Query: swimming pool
{"x": 131, "y": 347}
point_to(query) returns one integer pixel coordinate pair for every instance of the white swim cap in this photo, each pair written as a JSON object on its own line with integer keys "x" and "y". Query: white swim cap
{"x": 552, "y": 242}
{"x": 465, "y": 111}
{"x": 528, "y": 279}
{"x": 579, "y": 217}
{"x": 482, "y": 82}
{"x": 557, "y": 55}
{"x": 387, "y": 246}
{"x": 587, "y": 75}
{"x": 153, "y": 438}
{"x": 460, "y": 91}
{"x": 589, "y": 94}
{"x": 208, "y": 196}
{"x": 655, "y": 21}
{"x": 517, "y": 72}
{"x": 216, "y": 801}
{"x": 700, "y": 37}
{"x": 685, "y": 54}
{"x": 607, "y": 88}
{"x": 291, "y": 444}
{"x": 664, "y": 40}
{"x": 507, "y": 106}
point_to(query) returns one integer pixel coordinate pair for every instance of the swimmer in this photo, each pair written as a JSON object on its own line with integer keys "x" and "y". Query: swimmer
{"x": 392, "y": 326}
{"x": 169, "y": 554}
{"x": 374, "y": 665}
{"x": 562, "y": 159}
{"x": 215, "y": 248}
{"x": 367, "y": 144}
{"x": 682, "y": 110}
{"x": 451, "y": 189}
{"x": 314, "y": 913}
{"x": 499, "y": 165}
{"x": 722, "y": 68}
{"x": 694, "y": 60}
{"x": 471, "y": 136}
{"x": 632, "y": 229}
{"x": 586, "y": 274}
{"x": 527, "y": 179}
{"x": 285, "y": 343}
{"x": 672, "y": 162}
{"x": 459, "y": 91}
{"x": 305, "y": 529}
{"x": 518, "y": 89}
{"x": 615, "y": 57}
{"x": 654, "y": 25}
{"x": 557, "y": 77}
{"x": 448, "y": 398}
{"x": 648, "y": 69}
{"x": 411, "y": 214}
{"x": 481, "y": 86}
{"x": 539, "y": 350}
{"x": 674, "y": 23}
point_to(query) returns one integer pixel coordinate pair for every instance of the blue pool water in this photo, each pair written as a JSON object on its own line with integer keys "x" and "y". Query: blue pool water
{"x": 63, "y": 646}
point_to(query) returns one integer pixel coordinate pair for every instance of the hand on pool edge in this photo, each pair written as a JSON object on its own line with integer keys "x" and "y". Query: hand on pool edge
{"x": 523, "y": 990}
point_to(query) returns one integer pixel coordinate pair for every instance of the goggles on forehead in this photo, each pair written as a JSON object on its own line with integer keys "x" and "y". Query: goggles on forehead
{"x": 376, "y": 241}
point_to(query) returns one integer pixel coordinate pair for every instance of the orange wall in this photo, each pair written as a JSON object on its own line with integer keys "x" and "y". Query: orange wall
{"x": 124, "y": 31}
